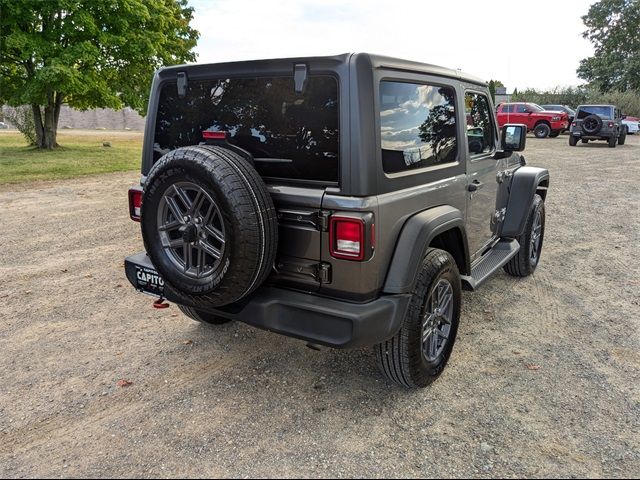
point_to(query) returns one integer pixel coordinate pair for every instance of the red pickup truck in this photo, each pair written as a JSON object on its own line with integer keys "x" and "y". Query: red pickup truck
{"x": 542, "y": 122}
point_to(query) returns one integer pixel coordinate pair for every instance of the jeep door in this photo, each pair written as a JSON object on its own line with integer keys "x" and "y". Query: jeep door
{"x": 482, "y": 168}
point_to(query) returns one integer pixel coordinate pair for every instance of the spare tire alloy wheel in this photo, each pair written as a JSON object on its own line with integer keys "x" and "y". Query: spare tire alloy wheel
{"x": 592, "y": 124}
{"x": 209, "y": 225}
{"x": 191, "y": 229}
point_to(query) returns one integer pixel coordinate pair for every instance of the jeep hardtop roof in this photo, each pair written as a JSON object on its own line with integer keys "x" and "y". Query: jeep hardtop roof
{"x": 597, "y": 105}
{"x": 373, "y": 60}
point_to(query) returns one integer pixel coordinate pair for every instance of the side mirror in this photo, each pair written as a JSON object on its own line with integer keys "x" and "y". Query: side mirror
{"x": 513, "y": 137}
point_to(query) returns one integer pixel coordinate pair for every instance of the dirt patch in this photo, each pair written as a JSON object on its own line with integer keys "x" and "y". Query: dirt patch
{"x": 236, "y": 401}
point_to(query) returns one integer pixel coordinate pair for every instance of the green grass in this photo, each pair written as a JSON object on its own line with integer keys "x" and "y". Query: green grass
{"x": 80, "y": 153}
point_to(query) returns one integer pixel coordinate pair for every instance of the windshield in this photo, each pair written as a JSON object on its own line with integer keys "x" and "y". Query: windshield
{"x": 602, "y": 111}
{"x": 291, "y": 136}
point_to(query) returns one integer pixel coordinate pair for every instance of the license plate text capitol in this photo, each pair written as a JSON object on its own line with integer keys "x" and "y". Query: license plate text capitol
{"x": 149, "y": 281}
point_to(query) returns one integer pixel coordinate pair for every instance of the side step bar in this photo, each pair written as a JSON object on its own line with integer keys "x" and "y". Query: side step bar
{"x": 498, "y": 256}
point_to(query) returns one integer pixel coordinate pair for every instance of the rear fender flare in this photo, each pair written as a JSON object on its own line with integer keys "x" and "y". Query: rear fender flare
{"x": 415, "y": 237}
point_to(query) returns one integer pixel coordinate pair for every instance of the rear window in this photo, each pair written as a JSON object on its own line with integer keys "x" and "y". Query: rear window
{"x": 604, "y": 112}
{"x": 291, "y": 136}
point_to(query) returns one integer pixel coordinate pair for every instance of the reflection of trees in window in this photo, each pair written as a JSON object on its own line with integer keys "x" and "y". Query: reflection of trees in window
{"x": 439, "y": 128}
{"x": 263, "y": 115}
{"x": 480, "y": 118}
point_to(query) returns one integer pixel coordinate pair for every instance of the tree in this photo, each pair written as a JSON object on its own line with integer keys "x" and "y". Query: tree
{"x": 87, "y": 53}
{"x": 612, "y": 27}
{"x": 493, "y": 84}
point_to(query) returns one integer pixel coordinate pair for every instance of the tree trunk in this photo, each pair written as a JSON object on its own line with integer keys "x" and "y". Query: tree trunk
{"x": 47, "y": 127}
{"x": 37, "y": 120}
{"x": 50, "y": 128}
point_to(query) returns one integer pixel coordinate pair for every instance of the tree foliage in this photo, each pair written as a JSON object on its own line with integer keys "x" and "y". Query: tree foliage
{"x": 628, "y": 101}
{"x": 493, "y": 84}
{"x": 612, "y": 27}
{"x": 87, "y": 53}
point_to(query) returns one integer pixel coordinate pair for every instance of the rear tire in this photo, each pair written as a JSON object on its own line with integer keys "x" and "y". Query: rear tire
{"x": 542, "y": 130}
{"x": 585, "y": 140}
{"x": 418, "y": 353}
{"x": 202, "y": 317}
{"x": 573, "y": 140}
{"x": 612, "y": 142}
{"x": 623, "y": 136}
{"x": 526, "y": 260}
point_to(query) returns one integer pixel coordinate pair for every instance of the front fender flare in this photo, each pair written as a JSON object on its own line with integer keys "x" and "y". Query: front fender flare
{"x": 415, "y": 237}
{"x": 523, "y": 187}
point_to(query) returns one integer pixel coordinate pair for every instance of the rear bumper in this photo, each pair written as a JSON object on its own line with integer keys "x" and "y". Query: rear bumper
{"x": 586, "y": 136}
{"x": 324, "y": 321}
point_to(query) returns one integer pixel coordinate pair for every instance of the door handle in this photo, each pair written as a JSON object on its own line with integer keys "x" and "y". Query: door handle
{"x": 475, "y": 185}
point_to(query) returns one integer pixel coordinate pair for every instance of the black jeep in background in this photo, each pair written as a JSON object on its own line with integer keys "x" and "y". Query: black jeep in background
{"x": 598, "y": 122}
{"x": 345, "y": 201}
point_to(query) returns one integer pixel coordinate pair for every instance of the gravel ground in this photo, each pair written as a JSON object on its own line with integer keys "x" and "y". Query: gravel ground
{"x": 544, "y": 380}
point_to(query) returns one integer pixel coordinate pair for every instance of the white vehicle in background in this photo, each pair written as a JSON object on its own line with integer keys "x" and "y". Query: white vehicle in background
{"x": 632, "y": 124}
{"x": 3, "y": 126}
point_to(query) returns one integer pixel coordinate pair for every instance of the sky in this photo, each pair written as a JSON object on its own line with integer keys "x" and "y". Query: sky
{"x": 521, "y": 43}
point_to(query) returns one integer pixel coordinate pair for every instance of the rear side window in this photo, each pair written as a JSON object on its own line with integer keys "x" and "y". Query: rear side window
{"x": 417, "y": 126}
{"x": 291, "y": 136}
{"x": 584, "y": 112}
{"x": 507, "y": 109}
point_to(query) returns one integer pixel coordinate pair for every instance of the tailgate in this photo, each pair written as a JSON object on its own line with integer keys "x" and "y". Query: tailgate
{"x": 300, "y": 221}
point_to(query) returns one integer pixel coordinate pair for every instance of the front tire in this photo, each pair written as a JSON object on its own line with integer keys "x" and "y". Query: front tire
{"x": 554, "y": 133}
{"x": 526, "y": 260}
{"x": 202, "y": 317}
{"x": 542, "y": 130}
{"x": 418, "y": 353}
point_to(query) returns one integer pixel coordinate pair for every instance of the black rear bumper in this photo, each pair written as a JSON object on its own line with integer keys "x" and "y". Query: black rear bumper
{"x": 324, "y": 321}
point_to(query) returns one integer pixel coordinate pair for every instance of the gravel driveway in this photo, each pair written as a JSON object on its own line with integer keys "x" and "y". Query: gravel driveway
{"x": 544, "y": 380}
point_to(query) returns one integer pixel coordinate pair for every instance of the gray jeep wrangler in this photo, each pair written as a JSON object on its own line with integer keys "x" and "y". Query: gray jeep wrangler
{"x": 345, "y": 201}
{"x": 598, "y": 122}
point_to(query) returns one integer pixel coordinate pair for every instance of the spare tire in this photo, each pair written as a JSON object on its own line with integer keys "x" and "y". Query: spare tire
{"x": 209, "y": 224}
{"x": 592, "y": 124}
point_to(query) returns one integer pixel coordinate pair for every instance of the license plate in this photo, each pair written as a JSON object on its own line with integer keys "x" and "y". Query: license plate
{"x": 149, "y": 281}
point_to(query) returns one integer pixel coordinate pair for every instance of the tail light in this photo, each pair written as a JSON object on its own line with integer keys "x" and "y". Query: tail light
{"x": 574, "y": 124}
{"x": 347, "y": 237}
{"x": 352, "y": 236}
{"x": 135, "y": 202}
{"x": 610, "y": 124}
